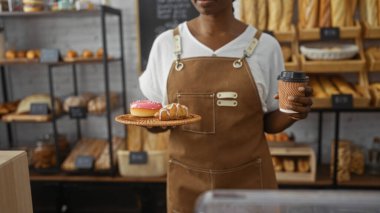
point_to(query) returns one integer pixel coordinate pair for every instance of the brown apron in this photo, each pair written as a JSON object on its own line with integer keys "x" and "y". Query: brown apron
{"x": 227, "y": 149}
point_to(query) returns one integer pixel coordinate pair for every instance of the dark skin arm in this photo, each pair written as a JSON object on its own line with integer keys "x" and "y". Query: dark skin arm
{"x": 278, "y": 121}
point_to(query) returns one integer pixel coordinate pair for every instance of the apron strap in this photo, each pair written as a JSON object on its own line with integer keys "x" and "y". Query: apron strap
{"x": 248, "y": 52}
{"x": 177, "y": 49}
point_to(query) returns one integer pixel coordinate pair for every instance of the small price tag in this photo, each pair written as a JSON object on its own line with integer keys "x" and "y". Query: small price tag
{"x": 78, "y": 112}
{"x": 49, "y": 55}
{"x": 330, "y": 33}
{"x": 138, "y": 157}
{"x": 84, "y": 162}
{"x": 342, "y": 101}
{"x": 39, "y": 109}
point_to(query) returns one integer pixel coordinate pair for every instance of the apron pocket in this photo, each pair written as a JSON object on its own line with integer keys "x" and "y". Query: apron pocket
{"x": 246, "y": 176}
{"x": 202, "y": 104}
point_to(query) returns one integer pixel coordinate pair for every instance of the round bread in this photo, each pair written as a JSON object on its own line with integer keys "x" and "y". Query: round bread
{"x": 144, "y": 108}
{"x": 21, "y": 54}
{"x": 99, "y": 53}
{"x": 10, "y": 54}
{"x": 31, "y": 54}
{"x": 71, "y": 54}
{"x": 87, "y": 54}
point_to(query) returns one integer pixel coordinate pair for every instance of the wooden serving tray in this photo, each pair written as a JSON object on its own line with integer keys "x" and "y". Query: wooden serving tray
{"x": 26, "y": 118}
{"x": 129, "y": 119}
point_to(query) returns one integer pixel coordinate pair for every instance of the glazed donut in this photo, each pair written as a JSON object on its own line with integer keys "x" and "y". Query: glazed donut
{"x": 174, "y": 111}
{"x": 144, "y": 108}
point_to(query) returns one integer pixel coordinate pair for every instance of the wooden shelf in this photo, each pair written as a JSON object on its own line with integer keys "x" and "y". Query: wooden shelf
{"x": 314, "y": 34}
{"x": 365, "y": 180}
{"x": 61, "y": 63}
{"x": 293, "y": 64}
{"x": 373, "y": 64}
{"x": 322, "y": 179}
{"x": 370, "y": 32}
{"x": 286, "y": 36}
{"x": 341, "y": 66}
{"x": 117, "y": 179}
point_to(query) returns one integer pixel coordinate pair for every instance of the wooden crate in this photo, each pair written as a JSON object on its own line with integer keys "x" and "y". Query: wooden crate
{"x": 370, "y": 32}
{"x": 345, "y": 33}
{"x": 15, "y": 193}
{"x": 373, "y": 64}
{"x": 286, "y": 36}
{"x": 292, "y": 65}
{"x": 296, "y": 151}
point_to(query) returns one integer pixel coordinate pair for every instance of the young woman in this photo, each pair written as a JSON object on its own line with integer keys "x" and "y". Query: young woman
{"x": 226, "y": 72}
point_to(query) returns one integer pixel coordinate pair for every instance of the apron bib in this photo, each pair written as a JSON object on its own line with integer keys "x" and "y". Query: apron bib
{"x": 227, "y": 148}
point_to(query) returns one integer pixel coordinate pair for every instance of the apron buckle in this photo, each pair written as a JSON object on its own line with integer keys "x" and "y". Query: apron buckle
{"x": 238, "y": 63}
{"x": 178, "y": 66}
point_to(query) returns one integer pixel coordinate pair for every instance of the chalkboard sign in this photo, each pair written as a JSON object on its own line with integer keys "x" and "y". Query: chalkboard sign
{"x": 342, "y": 101}
{"x": 84, "y": 162}
{"x": 157, "y": 16}
{"x": 78, "y": 112}
{"x": 39, "y": 109}
{"x": 138, "y": 158}
{"x": 330, "y": 33}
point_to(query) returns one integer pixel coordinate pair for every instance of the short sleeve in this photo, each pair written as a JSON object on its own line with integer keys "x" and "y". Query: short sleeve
{"x": 275, "y": 69}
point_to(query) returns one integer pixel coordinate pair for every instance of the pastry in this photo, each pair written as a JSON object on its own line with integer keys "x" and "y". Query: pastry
{"x": 21, "y": 54}
{"x": 303, "y": 165}
{"x": 371, "y": 12}
{"x": 286, "y": 53}
{"x": 318, "y": 91}
{"x": 87, "y": 54}
{"x": 328, "y": 87}
{"x": 289, "y": 165}
{"x": 98, "y": 105}
{"x": 25, "y": 104}
{"x": 99, "y": 53}
{"x": 31, "y": 54}
{"x": 287, "y": 15}
{"x": 9, "y": 107}
{"x": 338, "y": 13}
{"x": 344, "y": 87}
{"x": 275, "y": 13}
{"x": 71, "y": 54}
{"x": 77, "y": 101}
{"x": 174, "y": 111}
{"x": 144, "y": 108}
{"x": 324, "y": 13}
{"x": 10, "y": 54}
{"x": 262, "y": 13}
{"x": 277, "y": 164}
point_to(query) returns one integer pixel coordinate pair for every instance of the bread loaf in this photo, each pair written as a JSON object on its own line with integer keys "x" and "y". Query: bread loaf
{"x": 344, "y": 87}
{"x": 318, "y": 91}
{"x": 338, "y": 13}
{"x": 277, "y": 164}
{"x": 357, "y": 162}
{"x": 25, "y": 104}
{"x": 371, "y": 11}
{"x": 324, "y": 13}
{"x": 262, "y": 14}
{"x": 287, "y": 15}
{"x": 98, "y": 105}
{"x": 344, "y": 160}
{"x": 363, "y": 10}
{"x": 275, "y": 14}
{"x": 77, "y": 101}
{"x": 303, "y": 165}
{"x": 350, "y": 13}
{"x": 301, "y": 13}
{"x": 311, "y": 14}
{"x": 249, "y": 12}
{"x": 328, "y": 87}
{"x": 289, "y": 165}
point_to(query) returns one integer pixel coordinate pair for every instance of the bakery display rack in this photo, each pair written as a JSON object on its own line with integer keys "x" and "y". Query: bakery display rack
{"x": 102, "y": 12}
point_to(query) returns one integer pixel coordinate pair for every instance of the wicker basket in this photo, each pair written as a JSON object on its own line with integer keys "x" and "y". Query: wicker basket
{"x": 324, "y": 51}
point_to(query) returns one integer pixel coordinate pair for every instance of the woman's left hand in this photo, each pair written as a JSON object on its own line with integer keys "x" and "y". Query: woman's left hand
{"x": 301, "y": 104}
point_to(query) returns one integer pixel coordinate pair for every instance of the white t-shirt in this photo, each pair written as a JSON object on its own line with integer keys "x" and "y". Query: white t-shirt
{"x": 266, "y": 63}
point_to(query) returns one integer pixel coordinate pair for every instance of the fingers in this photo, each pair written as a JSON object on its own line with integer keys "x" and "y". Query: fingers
{"x": 299, "y": 109}
{"x": 307, "y": 89}
{"x": 276, "y": 96}
{"x": 299, "y": 100}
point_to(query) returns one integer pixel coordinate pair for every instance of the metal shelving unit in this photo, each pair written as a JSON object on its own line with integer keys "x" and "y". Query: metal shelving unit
{"x": 102, "y": 12}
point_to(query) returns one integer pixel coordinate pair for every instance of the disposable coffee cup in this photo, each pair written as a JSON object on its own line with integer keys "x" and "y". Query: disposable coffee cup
{"x": 288, "y": 84}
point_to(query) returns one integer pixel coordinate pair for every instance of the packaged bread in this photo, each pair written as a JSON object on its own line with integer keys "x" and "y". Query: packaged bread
{"x": 289, "y": 164}
{"x": 344, "y": 160}
{"x": 318, "y": 91}
{"x": 249, "y": 12}
{"x": 308, "y": 13}
{"x": 26, "y": 103}
{"x": 324, "y": 13}
{"x": 277, "y": 164}
{"x": 274, "y": 14}
{"x": 287, "y": 15}
{"x": 357, "y": 162}
{"x": 77, "y": 101}
{"x": 262, "y": 14}
{"x": 303, "y": 165}
{"x": 371, "y": 12}
{"x": 328, "y": 86}
{"x": 98, "y": 104}
{"x": 344, "y": 87}
{"x": 338, "y": 13}
{"x": 103, "y": 161}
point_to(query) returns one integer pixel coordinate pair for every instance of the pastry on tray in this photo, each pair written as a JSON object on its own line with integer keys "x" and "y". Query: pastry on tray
{"x": 144, "y": 108}
{"x": 174, "y": 111}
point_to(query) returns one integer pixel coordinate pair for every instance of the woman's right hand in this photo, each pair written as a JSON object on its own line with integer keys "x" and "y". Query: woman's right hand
{"x": 158, "y": 129}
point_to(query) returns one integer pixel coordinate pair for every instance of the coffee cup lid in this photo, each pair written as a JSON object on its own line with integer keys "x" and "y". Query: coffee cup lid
{"x": 293, "y": 76}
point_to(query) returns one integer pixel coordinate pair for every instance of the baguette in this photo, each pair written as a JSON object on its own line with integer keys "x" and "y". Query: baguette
{"x": 328, "y": 87}
{"x": 324, "y": 13}
{"x": 350, "y": 12}
{"x": 248, "y": 12}
{"x": 301, "y": 13}
{"x": 287, "y": 15}
{"x": 318, "y": 91}
{"x": 275, "y": 14}
{"x": 344, "y": 87}
{"x": 311, "y": 14}
{"x": 363, "y": 10}
{"x": 262, "y": 13}
{"x": 371, "y": 11}
{"x": 338, "y": 13}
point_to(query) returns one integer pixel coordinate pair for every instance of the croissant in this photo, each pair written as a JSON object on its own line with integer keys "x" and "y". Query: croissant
{"x": 174, "y": 111}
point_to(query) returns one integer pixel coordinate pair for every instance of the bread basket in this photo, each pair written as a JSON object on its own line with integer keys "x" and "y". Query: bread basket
{"x": 326, "y": 51}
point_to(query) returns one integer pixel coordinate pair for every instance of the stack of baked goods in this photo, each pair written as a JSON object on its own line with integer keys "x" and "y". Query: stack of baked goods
{"x": 274, "y": 15}
{"x": 72, "y": 55}
{"x": 326, "y": 13}
{"x": 22, "y": 54}
{"x": 375, "y": 94}
{"x": 33, "y": 5}
{"x": 9, "y": 107}
{"x": 291, "y": 164}
{"x": 146, "y": 108}
{"x": 370, "y": 12}
{"x": 98, "y": 104}
{"x": 77, "y": 101}
{"x": 325, "y": 87}
{"x": 279, "y": 137}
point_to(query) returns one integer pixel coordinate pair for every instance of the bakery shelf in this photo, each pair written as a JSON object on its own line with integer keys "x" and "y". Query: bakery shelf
{"x": 22, "y": 118}
{"x": 370, "y": 32}
{"x": 322, "y": 179}
{"x": 293, "y": 64}
{"x": 373, "y": 64}
{"x": 61, "y": 63}
{"x": 341, "y": 66}
{"x": 345, "y": 33}
{"x": 365, "y": 180}
{"x": 286, "y": 36}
